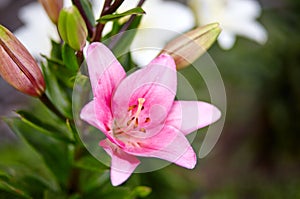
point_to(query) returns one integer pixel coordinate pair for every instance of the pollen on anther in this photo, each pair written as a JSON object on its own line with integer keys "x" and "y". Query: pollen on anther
{"x": 143, "y": 130}
{"x": 130, "y": 108}
{"x": 147, "y": 120}
{"x": 136, "y": 123}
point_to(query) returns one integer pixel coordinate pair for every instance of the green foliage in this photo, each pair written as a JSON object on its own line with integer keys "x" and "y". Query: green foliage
{"x": 55, "y": 153}
{"x": 69, "y": 58}
{"x": 87, "y": 7}
{"x": 112, "y": 17}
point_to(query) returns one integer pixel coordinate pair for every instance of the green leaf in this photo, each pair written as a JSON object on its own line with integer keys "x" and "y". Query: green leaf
{"x": 5, "y": 186}
{"x": 69, "y": 57}
{"x": 140, "y": 191}
{"x": 122, "y": 41}
{"x": 56, "y": 93}
{"x": 111, "y": 17}
{"x": 87, "y": 7}
{"x": 44, "y": 127}
{"x": 54, "y": 152}
{"x": 54, "y": 60}
{"x": 56, "y": 50}
{"x": 90, "y": 163}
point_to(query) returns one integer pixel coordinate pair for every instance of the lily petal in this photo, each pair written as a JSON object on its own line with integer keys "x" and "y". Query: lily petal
{"x": 105, "y": 74}
{"x": 188, "y": 116}
{"x": 122, "y": 164}
{"x": 103, "y": 67}
{"x": 88, "y": 114}
{"x": 170, "y": 144}
{"x": 156, "y": 83}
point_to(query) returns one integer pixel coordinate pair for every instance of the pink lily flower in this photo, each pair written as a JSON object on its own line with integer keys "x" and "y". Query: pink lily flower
{"x": 138, "y": 114}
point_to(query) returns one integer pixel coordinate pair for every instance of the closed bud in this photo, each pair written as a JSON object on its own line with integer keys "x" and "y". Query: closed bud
{"x": 72, "y": 28}
{"x": 18, "y": 67}
{"x": 52, "y": 7}
{"x": 186, "y": 48}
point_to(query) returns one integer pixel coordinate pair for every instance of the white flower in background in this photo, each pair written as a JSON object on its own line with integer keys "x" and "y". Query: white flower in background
{"x": 37, "y": 30}
{"x": 166, "y": 15}
{"x": 236, "y": 17}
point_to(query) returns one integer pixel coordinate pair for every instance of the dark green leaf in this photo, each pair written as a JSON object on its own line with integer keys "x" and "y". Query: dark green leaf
{"x": 90, "y": 163}
{"x": 122, "y": 41}
{"x": 5, "y": 186}
{"x": 134, "y": 11}
{"x": 43, "y": 127}
{"x": 56, "y": 50}
{"x": 56, "y": 93}
{"x": 54, "y": 60}
{"x": 55, "y": 153}
{"x": 87, "y": 7}
{"x": 51, "y": 195}
{"x": 140, "y": 191}
{"x": 69, "y": 57}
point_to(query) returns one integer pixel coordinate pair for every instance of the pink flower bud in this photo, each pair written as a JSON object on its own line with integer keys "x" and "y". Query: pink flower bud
{"x": 18, "y": 67}
{"x": 52, "y": 7}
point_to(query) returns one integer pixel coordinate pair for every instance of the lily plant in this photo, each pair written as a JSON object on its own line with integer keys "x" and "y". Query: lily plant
{"x": 138, "y": 114}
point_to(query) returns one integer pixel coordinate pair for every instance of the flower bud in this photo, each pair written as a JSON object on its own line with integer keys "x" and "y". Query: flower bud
{"x": 186, "y": 48}
{"x": 72, "y": 28}
{"x": 52, "y": 7}
{"x": 18, "y": 67}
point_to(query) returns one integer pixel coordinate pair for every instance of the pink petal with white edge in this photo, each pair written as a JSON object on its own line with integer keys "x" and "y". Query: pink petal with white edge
{"x": 122, "y": 164}
{"x": 188, "y": 116}
{"x": 99, "y": 60}
{"x": 170, "y": 144}
{"x": 105, "y": 74}
{"x": 88, "y": 114}
{"x": 156, "y": 83}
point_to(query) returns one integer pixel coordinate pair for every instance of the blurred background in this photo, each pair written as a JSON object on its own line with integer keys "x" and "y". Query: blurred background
{"x": 258, "y": 154}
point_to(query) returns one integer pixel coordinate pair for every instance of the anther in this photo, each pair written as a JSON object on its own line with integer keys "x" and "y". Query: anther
{"x": 143, "y": 130}
{"x": 130, "y": 108}
{"x": 147, "y": 120}
{"x": 136, "y": 123}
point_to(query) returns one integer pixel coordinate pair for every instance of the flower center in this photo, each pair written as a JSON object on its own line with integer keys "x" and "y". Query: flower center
{"x": 133, "y": 123}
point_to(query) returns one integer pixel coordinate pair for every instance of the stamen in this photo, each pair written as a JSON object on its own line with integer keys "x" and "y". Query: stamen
{"x": 128, "y": 123}
{"x": 141, "y": 102}
{"x": 136, "y": 123}
{"x": 143, "y": 130}
{"x": 147, "y": 120}
{"x": 130, "y": 108}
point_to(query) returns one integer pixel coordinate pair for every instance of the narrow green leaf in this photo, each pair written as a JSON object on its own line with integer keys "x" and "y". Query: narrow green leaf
{"x": 87, "y": 7}
{"x": 111, "y": 17}
{"x": 5, "y": 186}
{"x": 43, "y": 127}
{"x": 55, "y": 153}
{"x": 91, "y": 164}
{"x": 69, "y": 57}
{"x": 139, "y": 192}
{"x": 54, "y": 60}
{"x": 56, "y": 93}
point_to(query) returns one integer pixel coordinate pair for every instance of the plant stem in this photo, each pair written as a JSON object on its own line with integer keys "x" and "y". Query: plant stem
{"x": 125, "y": 27}
{"x": 51, "y": 106}
{"x": 107, "y": 9}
